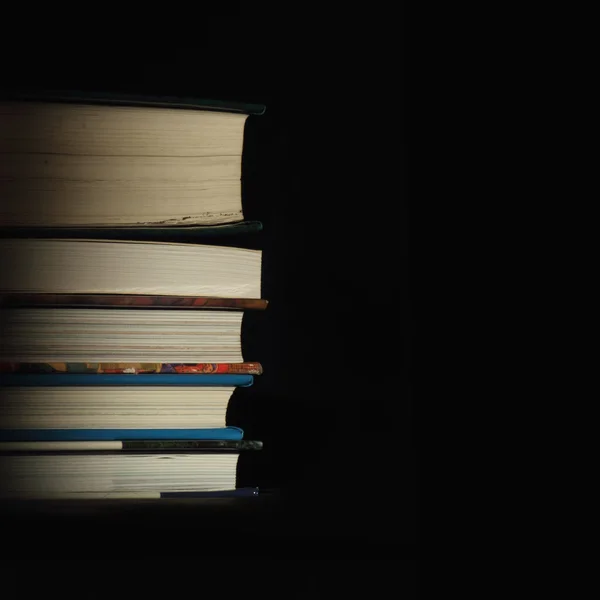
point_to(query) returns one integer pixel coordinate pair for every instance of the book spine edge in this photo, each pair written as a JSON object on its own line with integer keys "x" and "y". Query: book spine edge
{"x": 10, "y": 299}
{"x": 246, "y": 368}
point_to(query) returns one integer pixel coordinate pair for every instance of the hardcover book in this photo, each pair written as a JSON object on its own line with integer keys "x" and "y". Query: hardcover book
{"x": 137, "y": 163}
{"x": 88, "y": 408}
{"x": 67, "y": 266}
{"x": 63, "y": 335}
{"x": 124, "y": 474}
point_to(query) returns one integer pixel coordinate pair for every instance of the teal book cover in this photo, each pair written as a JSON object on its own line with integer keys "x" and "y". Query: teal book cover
{"x": 90, "y": 435}
{"x": 103, "y": 379}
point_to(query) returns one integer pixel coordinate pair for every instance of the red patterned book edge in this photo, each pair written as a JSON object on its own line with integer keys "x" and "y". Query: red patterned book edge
{"x": 246, "y": 368}
{"x": 130, "y": 300}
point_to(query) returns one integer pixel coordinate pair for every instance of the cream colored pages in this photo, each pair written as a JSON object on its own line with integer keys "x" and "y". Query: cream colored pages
{"x": 121, "y": 335}
{"x": 114, "y": 407}
{"x": 53, "y": 475}
{"x": 85, "y": 165}
{"x": 108, "y": 267}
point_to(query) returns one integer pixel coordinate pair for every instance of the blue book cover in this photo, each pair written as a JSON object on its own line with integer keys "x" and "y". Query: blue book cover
{"x": 50, "y": 435}
{"x": 92, "y": 379}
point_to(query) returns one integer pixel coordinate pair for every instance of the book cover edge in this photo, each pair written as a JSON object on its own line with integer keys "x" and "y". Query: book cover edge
{"x": 123, "y": 99}
{"x": 116, "y": 380}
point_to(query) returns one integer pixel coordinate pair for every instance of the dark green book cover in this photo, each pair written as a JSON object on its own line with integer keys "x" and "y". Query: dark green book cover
{"x": 121, "y": 99}
{"x": 181, "y": 233}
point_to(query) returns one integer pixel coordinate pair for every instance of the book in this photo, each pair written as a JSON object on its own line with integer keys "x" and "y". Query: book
{"x": 246, "y": 368}
{"x": 146, "y": 446}
{"x": 63, "y": 266}
{"x": 73, "y": 161}
{"x": 11, "y": 299}
{"x": 55, "y": 475}
{"x": 120, "y": 434}
{"x": 38, "y": 335}
{"x": 92, "y": 406}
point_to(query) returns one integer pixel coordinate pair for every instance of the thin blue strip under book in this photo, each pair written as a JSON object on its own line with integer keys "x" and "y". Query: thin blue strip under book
{"x": 243, "y": 492}
{"x": 93, "y": 379}
{"x": 66, "y": 435}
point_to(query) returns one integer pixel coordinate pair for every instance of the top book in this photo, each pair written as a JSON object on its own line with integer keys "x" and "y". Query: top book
{"x": 127, "y": 163}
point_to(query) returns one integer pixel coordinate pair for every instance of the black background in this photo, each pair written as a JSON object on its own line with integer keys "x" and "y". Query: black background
{"x": 325, "y": 171}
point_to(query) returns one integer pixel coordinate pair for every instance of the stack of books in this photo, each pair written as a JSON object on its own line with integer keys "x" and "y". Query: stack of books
{"x": 120, "y": 351}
